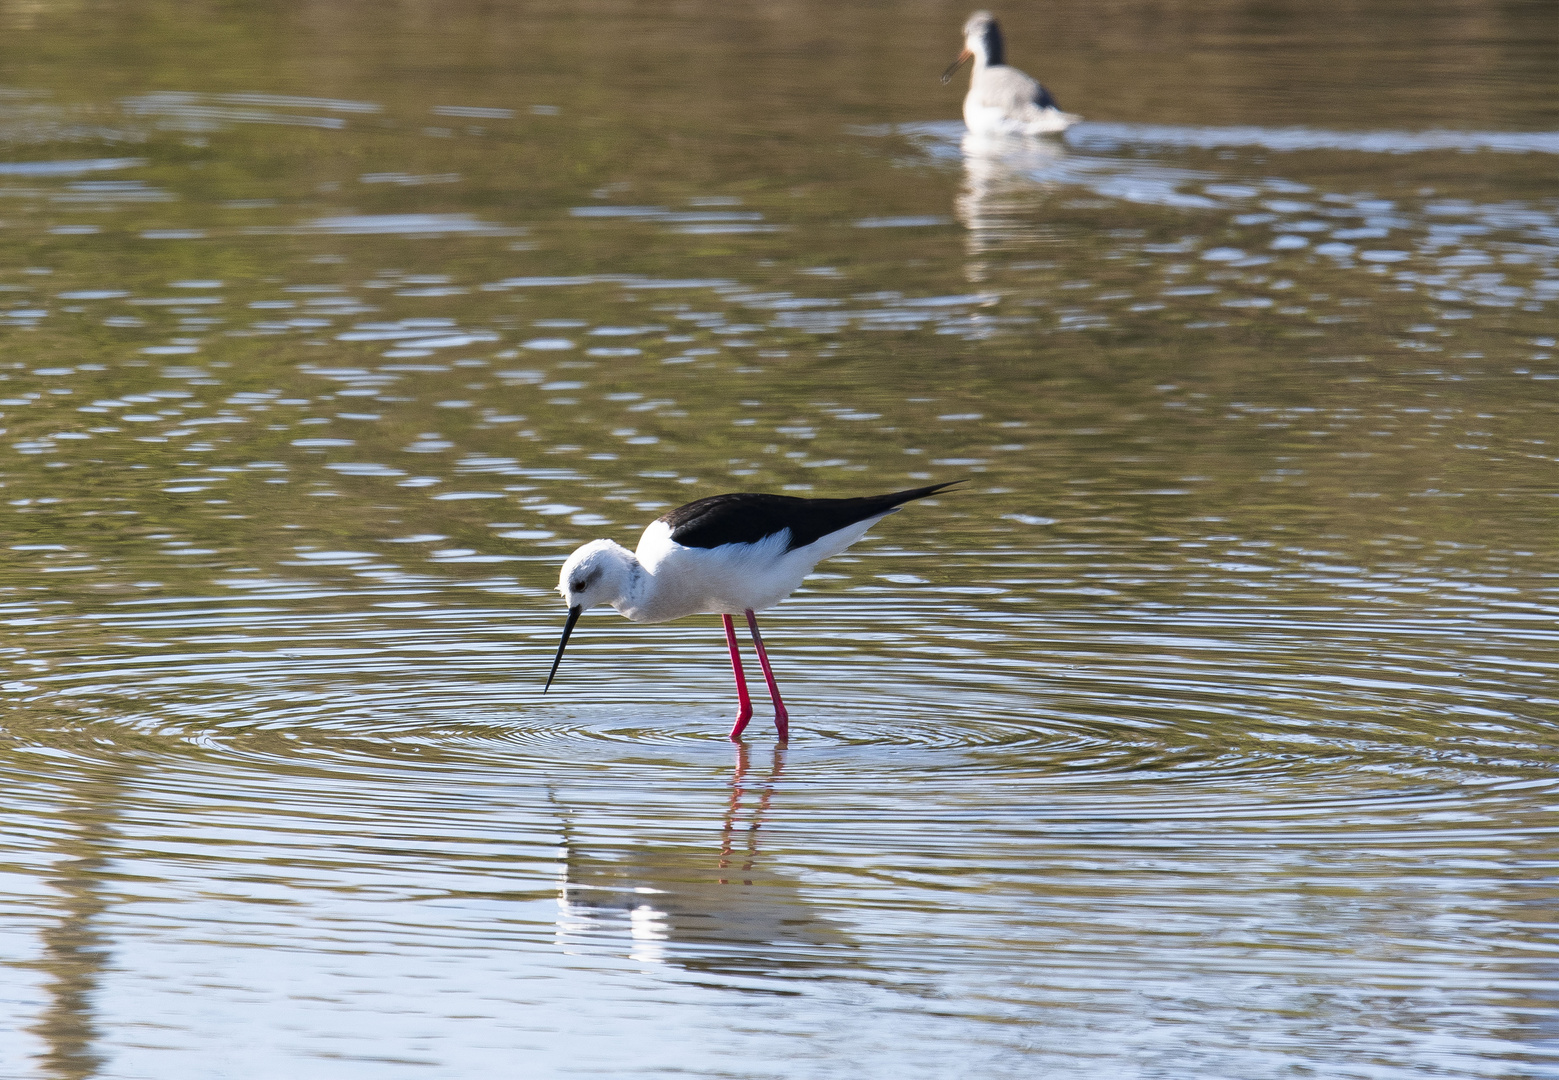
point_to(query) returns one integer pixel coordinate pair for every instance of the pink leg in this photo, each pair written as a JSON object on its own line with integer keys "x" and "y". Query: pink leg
{"x": 744, "y": 712}
{"x": 781, "y": 717}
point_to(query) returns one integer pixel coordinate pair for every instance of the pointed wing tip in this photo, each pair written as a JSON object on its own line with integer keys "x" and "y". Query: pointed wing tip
{"x": 932, "y": 489}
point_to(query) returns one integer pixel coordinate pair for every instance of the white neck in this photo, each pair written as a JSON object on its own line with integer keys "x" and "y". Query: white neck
{"x": 634, "y": 583}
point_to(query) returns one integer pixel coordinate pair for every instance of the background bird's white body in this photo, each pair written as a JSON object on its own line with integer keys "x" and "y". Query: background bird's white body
{"x": 1001, "y": 101}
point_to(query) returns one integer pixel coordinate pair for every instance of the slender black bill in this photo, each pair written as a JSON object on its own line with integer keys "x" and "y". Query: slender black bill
{"x": 568, "y": 628}
{"x": 947, "y": 76}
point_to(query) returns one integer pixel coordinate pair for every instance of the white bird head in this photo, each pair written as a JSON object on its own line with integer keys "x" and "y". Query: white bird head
{"x": 595, "y": 574}
{"x": 982, "y": 44}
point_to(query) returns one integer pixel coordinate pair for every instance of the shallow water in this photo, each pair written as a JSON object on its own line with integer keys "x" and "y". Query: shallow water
{"x": 1208, "y": 730}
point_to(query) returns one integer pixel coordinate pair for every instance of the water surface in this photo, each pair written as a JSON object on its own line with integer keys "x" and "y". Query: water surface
{"x": 1208, "y": 730}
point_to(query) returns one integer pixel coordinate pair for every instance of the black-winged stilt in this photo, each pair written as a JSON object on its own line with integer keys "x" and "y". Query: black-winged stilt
{"x": 724, "y": 555}
{"x": 1001, "y": 99}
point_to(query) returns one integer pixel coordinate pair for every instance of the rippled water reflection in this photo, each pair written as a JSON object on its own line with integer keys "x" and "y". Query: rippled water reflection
{"x": 1207, "y": 731}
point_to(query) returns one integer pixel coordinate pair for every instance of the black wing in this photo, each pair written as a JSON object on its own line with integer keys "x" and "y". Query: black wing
{"x": 748, "y": 517}
{"x": 1043, "y": 99}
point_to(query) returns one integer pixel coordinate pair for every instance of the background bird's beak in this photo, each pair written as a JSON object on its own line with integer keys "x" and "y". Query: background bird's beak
{"x": 947, "y": 76}
{"x": 568, "y": 628}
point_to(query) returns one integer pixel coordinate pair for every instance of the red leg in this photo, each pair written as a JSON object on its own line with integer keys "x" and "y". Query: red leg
{"x": 744, "y": 712}
{"x": 781, "y": 717}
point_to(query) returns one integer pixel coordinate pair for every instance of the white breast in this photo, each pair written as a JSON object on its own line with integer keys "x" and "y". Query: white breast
{"x": 1027, "y": 120}
{"x": 729, "y": 579}
{"x": 1001, "y": 101}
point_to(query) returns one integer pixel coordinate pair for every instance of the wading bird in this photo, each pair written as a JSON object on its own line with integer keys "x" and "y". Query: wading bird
{"x": 724, "y": 555}
{"x": 1001, "y": 99}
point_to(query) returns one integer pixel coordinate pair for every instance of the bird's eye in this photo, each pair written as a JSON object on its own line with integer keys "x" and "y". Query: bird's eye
{"x": 580, "y": 584}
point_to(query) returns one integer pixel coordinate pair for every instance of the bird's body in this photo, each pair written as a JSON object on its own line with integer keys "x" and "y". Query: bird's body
{"x": 1003, "y": 100}
{"x": 724, "y": 555}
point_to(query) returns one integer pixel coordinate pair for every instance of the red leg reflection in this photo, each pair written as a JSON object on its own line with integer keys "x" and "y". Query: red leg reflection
{"x": 734, "y": 809}
{"x": 735, "y": 806}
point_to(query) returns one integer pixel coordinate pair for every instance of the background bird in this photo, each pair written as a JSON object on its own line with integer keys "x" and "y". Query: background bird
{"x": 725, "y": 555}
{"x": 1002, "y": 100}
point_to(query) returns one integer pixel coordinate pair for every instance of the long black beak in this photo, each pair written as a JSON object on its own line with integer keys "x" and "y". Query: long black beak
{"x": 947, "y": 76}
{"x": 568, "y": 628}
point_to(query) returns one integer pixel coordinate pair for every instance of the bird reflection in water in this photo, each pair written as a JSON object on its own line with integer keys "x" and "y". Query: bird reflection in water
{"x": 713, "y": 911}
{"x": 734, "y": 810}
{"x": 1005, "y": 178}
